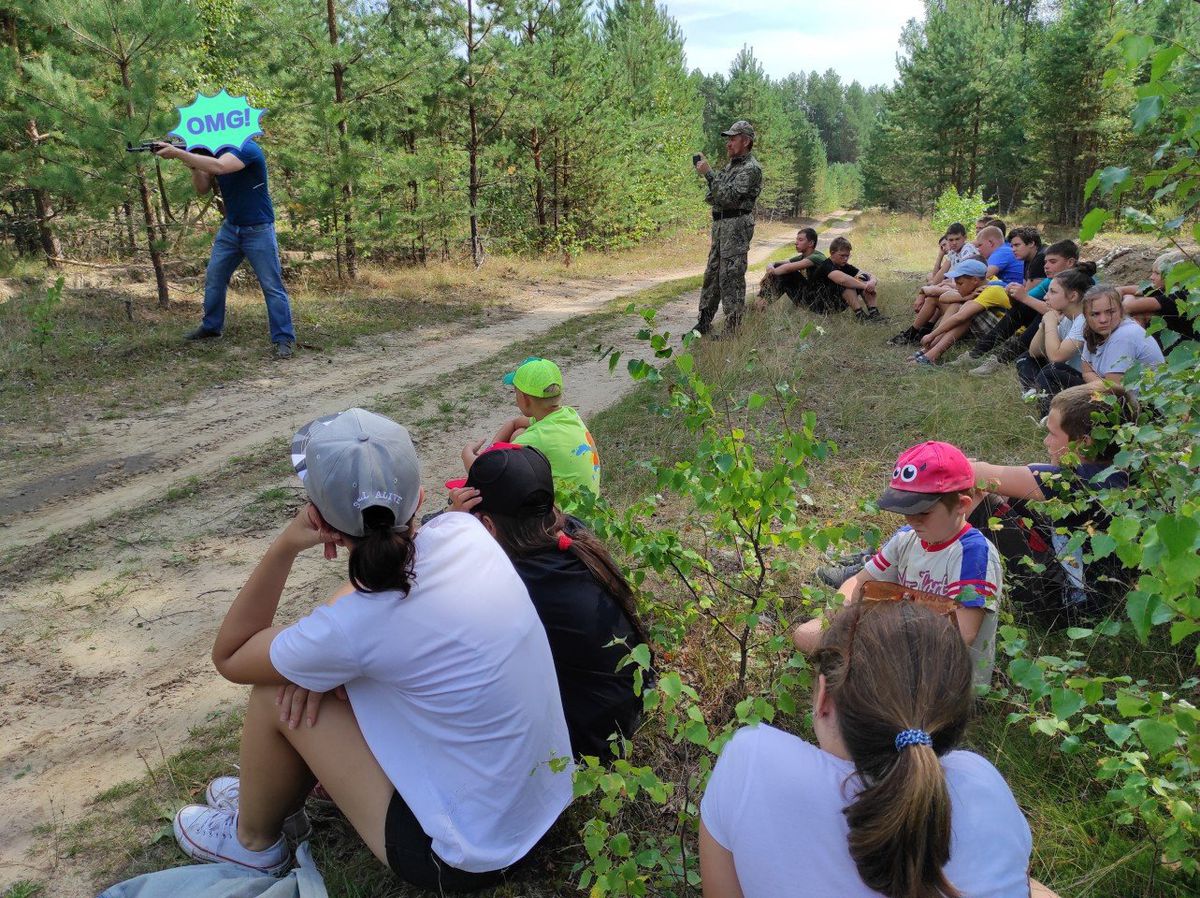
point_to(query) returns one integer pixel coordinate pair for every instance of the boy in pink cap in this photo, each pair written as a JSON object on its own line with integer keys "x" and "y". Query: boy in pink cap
{"x": 936, "y": 551}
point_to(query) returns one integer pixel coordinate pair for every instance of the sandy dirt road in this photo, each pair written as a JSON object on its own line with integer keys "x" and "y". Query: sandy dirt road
{"x": 104, "y": 641}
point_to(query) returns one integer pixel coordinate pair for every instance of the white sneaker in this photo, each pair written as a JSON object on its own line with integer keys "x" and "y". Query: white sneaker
{"x": 222, "y": 793}
{"x": 989, "y": 367}
{"x": 962, "y": 361}
{"x": 210, "y": 834}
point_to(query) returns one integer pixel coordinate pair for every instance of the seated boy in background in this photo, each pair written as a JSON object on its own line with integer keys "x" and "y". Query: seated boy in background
{"x": 937, "y": 551}
{"x": 547, "y": 425}
{"x": 979, "y": 314}
{"x": 1084, "y": 589}
{"x": 793, "y": 278}
{"x": 927, "y": 305}
{"x": 838, "y": 281}
{"x": 1145, "y": 303}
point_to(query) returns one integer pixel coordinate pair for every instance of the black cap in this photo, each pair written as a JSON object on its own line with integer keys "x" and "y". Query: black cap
{"x": 514, "y": 482}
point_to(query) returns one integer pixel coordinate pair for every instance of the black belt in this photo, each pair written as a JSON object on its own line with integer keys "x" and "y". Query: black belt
{"x": 718, "y": 214}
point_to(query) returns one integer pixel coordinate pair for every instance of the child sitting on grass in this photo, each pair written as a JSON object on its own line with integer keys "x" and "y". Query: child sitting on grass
{"x": 937, "y": 551}
{"x": 980, "y": 313}
{"x": 1082, "y": 588}
{"x": 927, "y": 306}
{"x": 1112, "y": 343}
{"x": 837, "y": 281}
{"x": 1144, "y": 305}
{"x": 1054, "y": 361}
{"x": 546, "y": 424}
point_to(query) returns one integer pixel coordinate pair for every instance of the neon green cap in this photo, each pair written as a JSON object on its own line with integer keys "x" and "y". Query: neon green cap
{"x": 536, "y": 377}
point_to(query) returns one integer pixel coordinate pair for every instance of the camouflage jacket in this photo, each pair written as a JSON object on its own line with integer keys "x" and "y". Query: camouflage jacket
{"x": 736, "y": 186}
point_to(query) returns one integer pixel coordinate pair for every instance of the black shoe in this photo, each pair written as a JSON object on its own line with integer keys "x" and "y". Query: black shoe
{"x": 906, "y": 337}
{"x": 875, "y": 316}
{"x": 835, "y": 575}
{"x": 285, "y": 349}
{"x": 861, "y": 316}
{"x": 704, "y": 325}
{"x": 201, "y": 333}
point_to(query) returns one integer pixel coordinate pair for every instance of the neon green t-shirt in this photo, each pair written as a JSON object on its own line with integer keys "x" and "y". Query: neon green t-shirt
{"x": 564, "y": 439}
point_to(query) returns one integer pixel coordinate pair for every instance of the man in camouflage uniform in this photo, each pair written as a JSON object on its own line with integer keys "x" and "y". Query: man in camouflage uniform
{"x": 731, "y": 193}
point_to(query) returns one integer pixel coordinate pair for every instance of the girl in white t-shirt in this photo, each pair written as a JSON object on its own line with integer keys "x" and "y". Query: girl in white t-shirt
{"x": 1112, "y": 343}
{"x": 1053, "y": 362}
{"x": 451, "y": 757}
{"x": 883, "y": 804}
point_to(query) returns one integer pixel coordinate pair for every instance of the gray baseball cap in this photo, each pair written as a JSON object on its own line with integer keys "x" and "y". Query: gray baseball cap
{"x": 739, "y": 127}
{"x": 355, "y": 460}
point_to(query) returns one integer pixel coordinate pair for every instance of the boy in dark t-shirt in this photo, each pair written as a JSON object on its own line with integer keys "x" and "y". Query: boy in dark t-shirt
{"x": 838, "y": 282}
{"x": 1085, "y": 588}
{"x": 1144, "y": 305}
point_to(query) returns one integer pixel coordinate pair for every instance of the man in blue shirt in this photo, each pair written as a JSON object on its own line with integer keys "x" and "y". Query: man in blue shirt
{"x": 248, "y": 232}
{"x": 1002, "y": 264}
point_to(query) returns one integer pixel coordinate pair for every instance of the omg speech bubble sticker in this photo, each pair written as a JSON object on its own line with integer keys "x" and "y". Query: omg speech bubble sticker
{"x": 218, "y": 122}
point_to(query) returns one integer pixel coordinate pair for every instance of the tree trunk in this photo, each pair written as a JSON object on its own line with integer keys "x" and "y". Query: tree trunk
{"x": 339, "y": 97}
{"x": 160, "y": 274}
{"x": 473, "y": 141}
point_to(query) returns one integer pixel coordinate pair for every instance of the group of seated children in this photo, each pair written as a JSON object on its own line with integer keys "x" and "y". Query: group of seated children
{"x": 473, "y": 656}
{"x": 822, "y": 283}
{"x": 1041, "y": 310}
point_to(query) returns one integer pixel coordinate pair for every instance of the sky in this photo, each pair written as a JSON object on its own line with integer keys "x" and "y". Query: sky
{"x": 856, "y": 38}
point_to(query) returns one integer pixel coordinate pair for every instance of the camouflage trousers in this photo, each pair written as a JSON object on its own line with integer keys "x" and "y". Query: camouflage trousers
{"x": 725, "y": 274}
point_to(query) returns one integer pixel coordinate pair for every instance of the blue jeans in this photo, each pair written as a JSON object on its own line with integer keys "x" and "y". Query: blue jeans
{"x": 256, "y": 243}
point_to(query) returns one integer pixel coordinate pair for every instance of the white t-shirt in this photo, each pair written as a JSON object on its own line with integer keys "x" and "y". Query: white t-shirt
{"x": 775, "y": 802}
{"x": 968, "y": 562}
{"x": 454, "y": 689}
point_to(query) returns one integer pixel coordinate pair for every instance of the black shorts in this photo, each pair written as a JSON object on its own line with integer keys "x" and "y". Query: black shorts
{"x": 411, "y": 856}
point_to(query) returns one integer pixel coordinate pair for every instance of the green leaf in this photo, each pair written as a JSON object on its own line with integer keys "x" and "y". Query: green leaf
{"x": 1157, "y": 735}
{"x": 1178, "y": 533}
{"x": 1109, "y": 178}
{"x": 1163, "y": 59}
{"x": 1078, "y": 633}
{"x": 1147, "y": 110}
{"x": 1065, "y": 703}
{"x": 724, "y": 462}
{"x": 1130, "y": 705}
{"x": 1119, "y": 733}
{"x": 1092, "y": 223}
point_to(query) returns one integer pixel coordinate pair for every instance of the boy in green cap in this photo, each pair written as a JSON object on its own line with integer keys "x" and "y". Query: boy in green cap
{"x": 546, "y": 424}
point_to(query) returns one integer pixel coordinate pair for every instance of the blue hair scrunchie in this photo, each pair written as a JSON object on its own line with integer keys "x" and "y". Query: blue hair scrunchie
{"x": 905, "y": 738}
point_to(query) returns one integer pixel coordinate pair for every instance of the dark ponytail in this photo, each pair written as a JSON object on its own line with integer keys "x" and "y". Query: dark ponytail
{"x": 524, "y": 536}
{"x": 1077, "y": 280}
{"x": 890, "y": 668}
{"x": 382, "y": 559}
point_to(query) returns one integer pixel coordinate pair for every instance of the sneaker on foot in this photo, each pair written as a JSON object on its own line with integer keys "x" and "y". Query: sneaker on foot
{"x": 875, "y": 316}
{"x": 201, "y": 333}
{"x": 210, "y": 834}
{"x": 285, "y": 349}
{"x": 904, "y": 338}
{"x": 861, "y": 316}
{"x": 835, "y": 575}
{"x": 222, "y": 793}
{"x": 962, "y": 361}
{"x": 989, "y": 367}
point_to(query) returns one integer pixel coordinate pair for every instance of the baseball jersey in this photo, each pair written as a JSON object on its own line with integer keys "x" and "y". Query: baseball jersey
{"x": 965, "y": 568}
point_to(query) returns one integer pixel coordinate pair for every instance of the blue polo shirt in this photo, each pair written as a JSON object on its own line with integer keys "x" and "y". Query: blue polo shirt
{"x": 1012, "y": 269}
{"x": 247, "y": 201}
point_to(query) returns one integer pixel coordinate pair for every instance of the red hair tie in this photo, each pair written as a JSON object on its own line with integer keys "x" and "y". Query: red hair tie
{"x": 564, "y": 542}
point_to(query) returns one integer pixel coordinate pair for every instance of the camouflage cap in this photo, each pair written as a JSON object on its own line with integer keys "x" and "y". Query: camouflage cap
{"x": 739, "y": 127}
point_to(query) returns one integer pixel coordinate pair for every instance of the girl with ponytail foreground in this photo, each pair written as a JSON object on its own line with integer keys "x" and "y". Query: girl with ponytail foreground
{"x": 874, "y": 807}
{"x": 450, "y": 758}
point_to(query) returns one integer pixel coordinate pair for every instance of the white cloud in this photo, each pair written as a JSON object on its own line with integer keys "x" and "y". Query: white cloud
{"x": 856, "y": 38}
